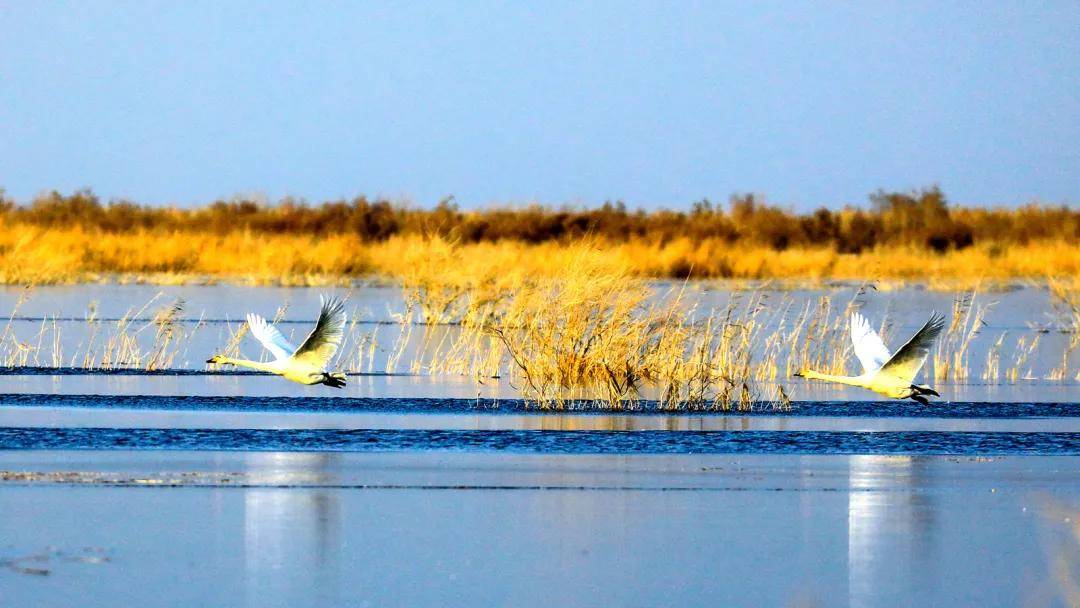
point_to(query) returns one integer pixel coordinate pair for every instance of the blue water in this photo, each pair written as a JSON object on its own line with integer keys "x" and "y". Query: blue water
{"x": 421, "y": 405}
{"x": 552, "y": 442}
{"x": 306, "y": 496}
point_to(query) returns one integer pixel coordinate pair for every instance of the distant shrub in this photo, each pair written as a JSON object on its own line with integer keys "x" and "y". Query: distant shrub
{"x": 920, "y": 219}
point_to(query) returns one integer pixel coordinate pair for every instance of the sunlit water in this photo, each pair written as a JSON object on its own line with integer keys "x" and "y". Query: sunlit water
{"x": 410, "y": 489}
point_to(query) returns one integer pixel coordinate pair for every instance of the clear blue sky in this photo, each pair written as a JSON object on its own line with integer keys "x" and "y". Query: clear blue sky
{"x": 658, "y": 104}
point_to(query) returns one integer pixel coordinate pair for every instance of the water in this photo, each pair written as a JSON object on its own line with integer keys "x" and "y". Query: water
{"x": 435, "y": 405}
{"x": 183, "y": 487}
{"x": 417, "y": 529}
{"x": 544, "y": 442}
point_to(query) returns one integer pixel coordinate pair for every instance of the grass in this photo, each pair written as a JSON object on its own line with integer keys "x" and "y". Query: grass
{"x": 44, "y": 255}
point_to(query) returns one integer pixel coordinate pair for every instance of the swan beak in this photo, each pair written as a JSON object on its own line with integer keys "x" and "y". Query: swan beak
{"x": 931, "y": 391}
{"x": 797, "y": 375}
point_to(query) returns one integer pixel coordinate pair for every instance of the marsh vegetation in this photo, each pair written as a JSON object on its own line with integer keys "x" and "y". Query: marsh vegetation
{"x": 582, "y": 333}
{"x": 901, "y": 236}
{"x": 564, "y": 304}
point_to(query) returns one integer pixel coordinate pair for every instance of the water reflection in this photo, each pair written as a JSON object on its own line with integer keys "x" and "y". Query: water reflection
{"x": 890, "y": 527}
{"x": 292, "y": 537}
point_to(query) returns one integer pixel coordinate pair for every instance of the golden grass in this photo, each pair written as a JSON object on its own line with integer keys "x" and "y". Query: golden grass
{"x": 586, "y": 333}
{"x": 36, "y": 255}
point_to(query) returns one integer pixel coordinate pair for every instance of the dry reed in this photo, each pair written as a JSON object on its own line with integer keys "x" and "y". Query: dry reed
{"x": 35, "y": 255}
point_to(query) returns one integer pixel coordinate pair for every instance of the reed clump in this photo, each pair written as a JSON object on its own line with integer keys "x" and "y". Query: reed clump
{"x": 589, "y": 334}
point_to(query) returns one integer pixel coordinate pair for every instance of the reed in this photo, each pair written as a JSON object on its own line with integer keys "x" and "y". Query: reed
{"x": 54, "y": 255}
{"x": 1065, "y": 300}
{"x": 992, "y": 368}
{"x": 951, "y": 356}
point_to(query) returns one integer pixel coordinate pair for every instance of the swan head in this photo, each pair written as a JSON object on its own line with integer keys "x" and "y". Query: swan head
{"x": 799, "y": 374}
{"x": 215, "y": 359}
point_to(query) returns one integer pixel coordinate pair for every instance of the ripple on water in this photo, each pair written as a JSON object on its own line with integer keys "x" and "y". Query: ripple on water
{"x": 557, "y": 442}
{"x": 421, "y": 405}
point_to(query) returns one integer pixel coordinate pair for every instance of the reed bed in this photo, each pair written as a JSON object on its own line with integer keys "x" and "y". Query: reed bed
{"x": 900, "y": 236}
{"x": 582, "y": 330}
{"x": 54, "y": 255}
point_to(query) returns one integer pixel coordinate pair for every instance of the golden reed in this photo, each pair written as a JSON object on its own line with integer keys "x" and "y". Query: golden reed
{"x": 901, "y": 236}
{"x": 35, "y": 255}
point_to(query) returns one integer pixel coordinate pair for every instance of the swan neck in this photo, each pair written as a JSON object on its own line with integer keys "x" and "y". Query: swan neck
{"x": 849, "y": 380}
{"x": 259, "y": 365}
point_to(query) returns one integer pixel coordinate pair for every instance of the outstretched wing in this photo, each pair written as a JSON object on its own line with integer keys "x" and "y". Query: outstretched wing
{"x": 869, "y": 348}
{"x": 322, "y": 343}
{"x": 270, "y": 337}
{"x": 910, "y": 358}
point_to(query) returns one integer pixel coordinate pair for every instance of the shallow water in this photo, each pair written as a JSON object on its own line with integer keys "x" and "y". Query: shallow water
{"x": 183, "y": 487}
{"x": 435, "y": 529}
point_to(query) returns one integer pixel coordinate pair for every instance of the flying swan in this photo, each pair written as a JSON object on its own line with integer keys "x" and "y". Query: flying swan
{"x": 889, "y": 375}
{"x": 307, "y": 364}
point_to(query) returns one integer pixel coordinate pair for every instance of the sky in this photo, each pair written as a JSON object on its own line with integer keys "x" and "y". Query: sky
{"x": 657, "y": 104}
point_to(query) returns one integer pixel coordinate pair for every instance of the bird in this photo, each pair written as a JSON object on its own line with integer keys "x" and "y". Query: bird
{"x": 890, "y": 375}
{"x": 306, "y": 364}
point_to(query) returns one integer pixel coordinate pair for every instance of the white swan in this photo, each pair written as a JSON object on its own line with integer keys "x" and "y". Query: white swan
{"x": 889, "y": 375}
{"x": 306, "y": 364}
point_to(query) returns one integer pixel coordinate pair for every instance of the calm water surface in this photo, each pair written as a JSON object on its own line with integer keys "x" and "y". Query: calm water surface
{"x": 407, "y": 489}
{"x": 434, "y": 529}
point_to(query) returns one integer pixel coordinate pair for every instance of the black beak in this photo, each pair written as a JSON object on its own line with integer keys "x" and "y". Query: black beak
{"x": 931, "y": 391}
{"x": 797, "y": 375}
{"x": 209, "y": 360}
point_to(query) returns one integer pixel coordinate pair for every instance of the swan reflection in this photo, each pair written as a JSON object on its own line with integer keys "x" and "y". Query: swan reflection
{"x": 292, "y": 539}
{"x": 887, "y": 528}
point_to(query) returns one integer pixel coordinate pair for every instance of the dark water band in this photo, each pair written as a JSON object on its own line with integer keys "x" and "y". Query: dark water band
{"x": 545, "y": 442}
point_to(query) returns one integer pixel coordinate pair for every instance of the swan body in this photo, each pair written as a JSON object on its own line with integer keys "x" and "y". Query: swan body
{"x": 307, "y": 363}
{"x": 891, "y": 375}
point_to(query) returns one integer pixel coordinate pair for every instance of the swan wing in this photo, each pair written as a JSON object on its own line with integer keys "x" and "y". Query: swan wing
{"x": 323, "y": 342}
{"x": 870, "y": 349}
{"x": 270, "y": 337}
{"x": 907, "y": 361}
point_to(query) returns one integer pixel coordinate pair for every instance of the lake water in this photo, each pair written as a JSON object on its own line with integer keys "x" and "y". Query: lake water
{"x": 183, "y": 487}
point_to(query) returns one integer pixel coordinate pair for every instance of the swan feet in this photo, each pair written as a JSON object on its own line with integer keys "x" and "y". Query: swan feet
{"x": 336, "y": 380}
{"x": 918, "y": 392}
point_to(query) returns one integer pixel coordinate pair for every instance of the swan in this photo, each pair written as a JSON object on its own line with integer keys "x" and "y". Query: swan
{"x": 885, "y": 374}
{"x": 306, "y": 364}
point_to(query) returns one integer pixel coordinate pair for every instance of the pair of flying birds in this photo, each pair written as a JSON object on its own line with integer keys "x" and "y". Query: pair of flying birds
{"x": 891, "y": 375}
